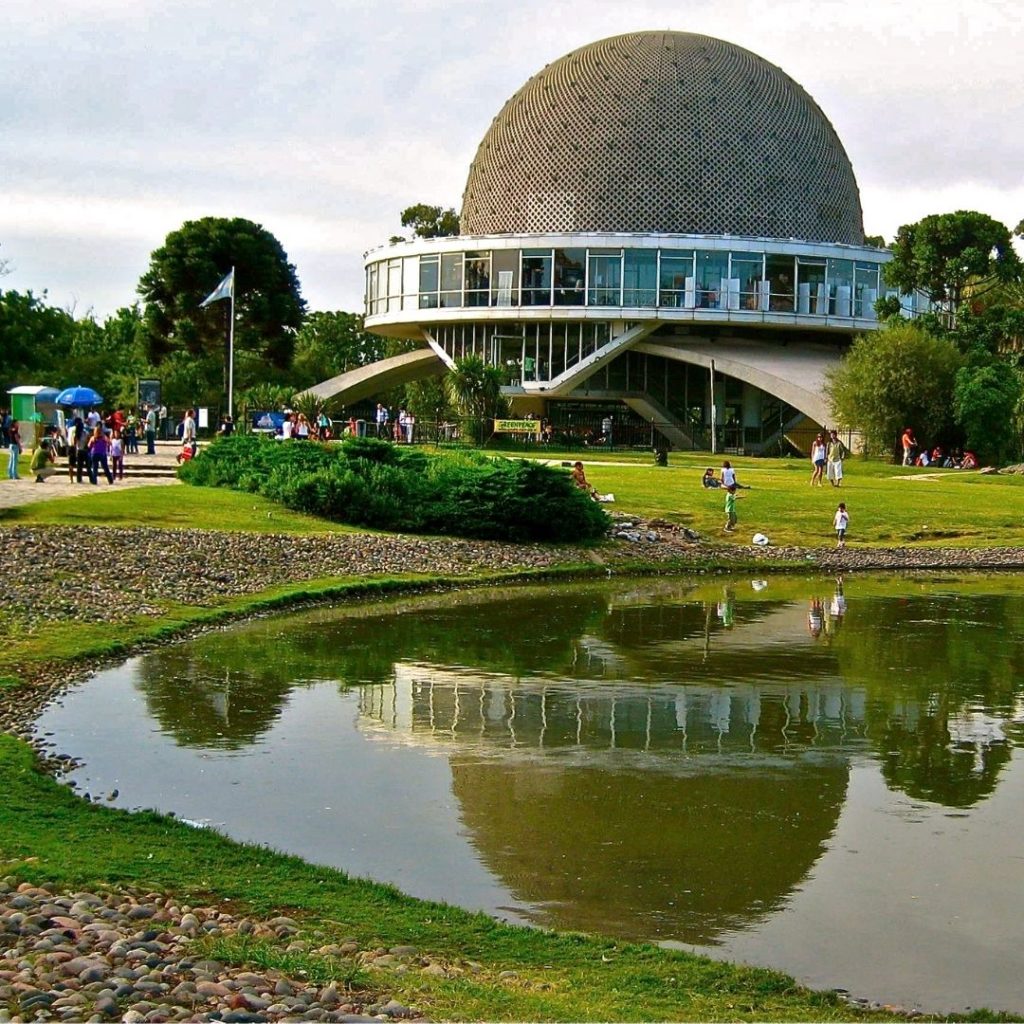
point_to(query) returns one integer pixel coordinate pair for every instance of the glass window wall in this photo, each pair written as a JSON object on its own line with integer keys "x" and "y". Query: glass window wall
{"x": 840, "y": 287}
{"x": 451, "y": 279}
{"x": 570, "y": 277}
{"x": 429, "y": 267}
{"x": 676, "y": 282}
{"x": 809, "y": 286}
{"x": 505, "y": 277}
{"x": 865, "y": 293}
{"x": 712, "y": 279}
{"x": 811, "y": 297}
{"x": 536, "y": 275}
{"x": 394, "y": 285}
{"x": 640, "y": 277}
{"x": 605, "y": 267}
{"x": 746, "y": 269}
{"x": 410, "y": 282}
{"x": 478, "y": 278}
{"x": 780, "y": 272}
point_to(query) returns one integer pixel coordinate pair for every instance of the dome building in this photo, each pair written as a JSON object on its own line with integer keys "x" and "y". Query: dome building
{"x": 660, "y": 228}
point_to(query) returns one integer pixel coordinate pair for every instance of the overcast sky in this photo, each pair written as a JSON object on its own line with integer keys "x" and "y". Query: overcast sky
{"x": 121, "y": 119}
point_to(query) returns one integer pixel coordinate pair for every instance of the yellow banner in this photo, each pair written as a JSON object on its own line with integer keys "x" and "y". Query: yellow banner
{"x": 517, "y": 426}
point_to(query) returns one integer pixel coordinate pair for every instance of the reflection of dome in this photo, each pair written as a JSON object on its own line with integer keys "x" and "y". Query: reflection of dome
{"x": 663, "y": 132}
{"x": 646, "y": 856}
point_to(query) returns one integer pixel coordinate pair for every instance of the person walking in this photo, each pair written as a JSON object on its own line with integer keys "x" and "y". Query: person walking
{"x": 841, "y": 522}
{"x": 14, "y": 445}
{"x": 834, "y": 455}
{"x": 818, "y": 461}
{"x": 382, "y": 421}
{"x": 909, "y": 443}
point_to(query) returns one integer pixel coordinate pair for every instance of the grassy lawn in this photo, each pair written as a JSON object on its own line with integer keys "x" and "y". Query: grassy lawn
{"x": 888, "y": 505}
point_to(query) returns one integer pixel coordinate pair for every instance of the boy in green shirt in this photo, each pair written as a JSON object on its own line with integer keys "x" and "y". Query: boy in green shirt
{"x": 730, "y": 509}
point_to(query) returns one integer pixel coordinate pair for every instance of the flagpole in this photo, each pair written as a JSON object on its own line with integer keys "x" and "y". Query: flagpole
{"x": 231, "y": 352}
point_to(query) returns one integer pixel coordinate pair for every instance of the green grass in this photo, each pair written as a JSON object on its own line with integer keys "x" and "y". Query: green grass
{"x": 47, "y": 834}
{"x": 889, "y": 506}
{"x": 170, "y": 508}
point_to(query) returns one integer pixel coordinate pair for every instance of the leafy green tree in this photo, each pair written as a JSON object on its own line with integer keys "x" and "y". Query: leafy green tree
{"x": 187, "y": 267}
{"x": 943, "y": 253}
{"x": 895, "y": 377}
{"x": 34, "y": 340}
{"x": 429, "y": 221}
{"x": 328, "y": 344}
{"x": 985, "y": 397}
{"x": 109, "y": 356}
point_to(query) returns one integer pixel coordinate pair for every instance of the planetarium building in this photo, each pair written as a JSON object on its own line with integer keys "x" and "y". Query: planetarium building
{"x": 660, "y": 226}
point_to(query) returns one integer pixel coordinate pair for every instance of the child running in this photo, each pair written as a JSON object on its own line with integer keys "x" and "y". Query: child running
{"x": 841, "y": 522}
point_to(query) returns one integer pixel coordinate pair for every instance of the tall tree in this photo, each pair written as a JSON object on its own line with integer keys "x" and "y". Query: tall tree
{"x": 944, "y": 253}
{"x": 34, "y": 338}
{"x": 188, "y": 266}
{"x": 896, "y": 377}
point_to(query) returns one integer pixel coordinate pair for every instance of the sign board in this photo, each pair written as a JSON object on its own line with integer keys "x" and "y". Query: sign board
{"x": 204, "y": 419}
{"x": 517, "y": 427}
{"x": 149, "y": 393}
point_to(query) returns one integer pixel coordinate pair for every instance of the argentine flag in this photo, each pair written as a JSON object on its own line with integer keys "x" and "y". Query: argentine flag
{"x": 225, "y": 290}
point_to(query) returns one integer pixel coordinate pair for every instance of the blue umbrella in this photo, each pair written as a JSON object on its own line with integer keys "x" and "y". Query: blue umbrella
{"x": 79, "y": 397}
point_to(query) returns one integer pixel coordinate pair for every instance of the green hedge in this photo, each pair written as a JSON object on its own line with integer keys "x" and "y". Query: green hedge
{"x": 367, "y": 482}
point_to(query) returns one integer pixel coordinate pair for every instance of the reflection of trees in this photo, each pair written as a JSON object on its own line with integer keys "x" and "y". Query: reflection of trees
{"x": 928, "y": 764}
{"x": 928, "y": 673}
{"x": 643, "y": 855}
{"x": 924, "y": 674}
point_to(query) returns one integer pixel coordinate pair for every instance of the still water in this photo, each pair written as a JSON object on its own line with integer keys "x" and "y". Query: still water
{"x": 804, "y": 774}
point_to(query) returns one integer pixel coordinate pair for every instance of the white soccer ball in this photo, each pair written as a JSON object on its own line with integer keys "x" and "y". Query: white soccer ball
{"x": 760, "y": 540}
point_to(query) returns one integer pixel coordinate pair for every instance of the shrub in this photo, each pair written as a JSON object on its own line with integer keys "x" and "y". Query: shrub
{"x": 367, "y": 482}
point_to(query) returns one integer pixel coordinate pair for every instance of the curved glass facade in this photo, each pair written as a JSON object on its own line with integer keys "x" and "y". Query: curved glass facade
{"x": 739, "y": 280}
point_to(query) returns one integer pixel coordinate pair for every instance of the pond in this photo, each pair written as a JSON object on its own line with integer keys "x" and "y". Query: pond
{"x": 808, "y": 774}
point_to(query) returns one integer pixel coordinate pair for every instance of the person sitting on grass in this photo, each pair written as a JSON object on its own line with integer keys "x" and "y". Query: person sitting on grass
{"x": 579, "y": 478}
{"x": 709, "y": 480}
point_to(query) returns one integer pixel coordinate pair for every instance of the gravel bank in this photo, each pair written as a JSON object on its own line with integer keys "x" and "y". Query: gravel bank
{"x": 133, "y": 956}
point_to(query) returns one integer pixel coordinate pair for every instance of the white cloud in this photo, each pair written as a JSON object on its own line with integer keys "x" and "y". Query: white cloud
{"x": 323, "y": 120}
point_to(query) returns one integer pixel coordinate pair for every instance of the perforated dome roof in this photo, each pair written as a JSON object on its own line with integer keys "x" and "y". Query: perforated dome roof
{"x": 663, "y": 132}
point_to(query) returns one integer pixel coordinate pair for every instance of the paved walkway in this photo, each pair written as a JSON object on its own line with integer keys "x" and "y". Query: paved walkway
{"x": 139, "y": 471}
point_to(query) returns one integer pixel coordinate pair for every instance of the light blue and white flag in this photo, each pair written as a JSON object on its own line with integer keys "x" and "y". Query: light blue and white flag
{"x": 225, "y": 290}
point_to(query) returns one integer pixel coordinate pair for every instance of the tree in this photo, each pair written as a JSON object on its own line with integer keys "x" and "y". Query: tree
{"x": 182, "y": 272}
{"x": 429, "y": 221}
{"x": 328, "y": 344}
{"x": 475, "y": 390}
{"x": 941, "y": 254}
{"x": 985, "y": 397}
{"x": 34, "y": 339}
{"x": 892, "y": 378}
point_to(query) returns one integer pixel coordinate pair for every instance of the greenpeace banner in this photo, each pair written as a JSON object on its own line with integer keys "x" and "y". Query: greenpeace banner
{"x": 517, "y": 427}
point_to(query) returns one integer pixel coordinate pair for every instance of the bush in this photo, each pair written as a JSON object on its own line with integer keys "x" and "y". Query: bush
{"x": 367, "y": 482}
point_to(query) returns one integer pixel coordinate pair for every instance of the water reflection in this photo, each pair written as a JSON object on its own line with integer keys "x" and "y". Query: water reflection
{"x": 649, "y": 760}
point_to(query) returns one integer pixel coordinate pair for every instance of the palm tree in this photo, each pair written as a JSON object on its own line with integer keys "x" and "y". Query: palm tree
{"x": 475, "y": 390}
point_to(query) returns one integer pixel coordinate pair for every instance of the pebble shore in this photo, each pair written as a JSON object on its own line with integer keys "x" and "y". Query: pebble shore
{"x": 130, "y": 956}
